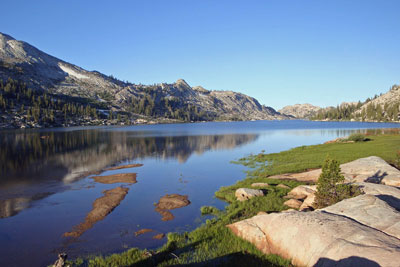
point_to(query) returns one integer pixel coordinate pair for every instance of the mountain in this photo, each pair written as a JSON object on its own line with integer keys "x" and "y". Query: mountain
{"x": 300, "y": 111}
{"x": 86, "y": 97}
{"x": 383, "y": 107}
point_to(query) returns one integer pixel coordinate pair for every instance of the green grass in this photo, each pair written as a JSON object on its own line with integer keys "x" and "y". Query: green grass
{"x": 209, "y": 210}
{"x": 213, "y": 243}
{"x": 310, "y": 157}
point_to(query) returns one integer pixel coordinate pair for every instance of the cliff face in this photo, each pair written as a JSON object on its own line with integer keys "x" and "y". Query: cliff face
{"x": 300, "y": 111}
{"x": 40, "y": 71}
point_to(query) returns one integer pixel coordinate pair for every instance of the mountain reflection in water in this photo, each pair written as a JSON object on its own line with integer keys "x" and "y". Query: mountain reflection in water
{"x": 35, "y": 164}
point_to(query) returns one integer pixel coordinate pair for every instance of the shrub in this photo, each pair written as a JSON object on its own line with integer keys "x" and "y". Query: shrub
{"x": 330, "y": 187}
{"x": 397, "y": 160}
{"x": 357, "y": 137}
{"x": 206, "y": 210}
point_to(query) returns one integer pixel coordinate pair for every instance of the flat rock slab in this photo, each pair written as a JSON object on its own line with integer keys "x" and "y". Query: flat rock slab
{"x": 310, "y": 176}
{"x": 319, "y": 238}
{"x": 243, "y": 194}
{"x": 129, "y": 178}
{"x": 259, "y": 185}
{"x": 124, "y": 167}
{"x": 371, "y": 169}
{"x": 370, "y": 210}
{"x": 379, "y": 189}
{"x": 101, "y": 208}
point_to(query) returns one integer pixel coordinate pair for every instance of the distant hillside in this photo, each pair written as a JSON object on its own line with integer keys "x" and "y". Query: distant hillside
{"x": 300, "y": 111}
{"x": 382, "y": 108}
{"x": 75, "y": 96}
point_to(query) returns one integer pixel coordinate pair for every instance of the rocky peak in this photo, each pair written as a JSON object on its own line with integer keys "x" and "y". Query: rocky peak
{"x": 300, "y": 111}
{"x": 200, "y": 89}
{"x": 182, "y": 84}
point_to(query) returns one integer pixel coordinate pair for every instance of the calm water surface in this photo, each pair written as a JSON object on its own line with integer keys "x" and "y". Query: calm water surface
{"x": 46, "y": 189}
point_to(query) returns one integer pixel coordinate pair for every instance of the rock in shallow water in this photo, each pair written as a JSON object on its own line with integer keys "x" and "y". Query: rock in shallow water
{"x": 169, "y": 202}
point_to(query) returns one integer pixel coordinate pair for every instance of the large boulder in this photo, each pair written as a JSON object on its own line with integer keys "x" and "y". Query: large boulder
{"x": 371, "y": 169}
{"x": 302, "y": 191}
{"x": 372, "y": 211}
{"x": 319, "y": 238}
{"x": 293, "y": 203}
{"x": 308, "y": 203}
{"x": 243, "y": 194}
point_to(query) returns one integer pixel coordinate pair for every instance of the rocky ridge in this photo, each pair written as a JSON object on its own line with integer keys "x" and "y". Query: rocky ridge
{"x": 23, "y": 62}
{"x": 300, "y": 111}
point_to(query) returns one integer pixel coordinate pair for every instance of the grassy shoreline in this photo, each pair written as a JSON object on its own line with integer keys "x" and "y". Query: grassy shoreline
{"x": 213, "y": 244}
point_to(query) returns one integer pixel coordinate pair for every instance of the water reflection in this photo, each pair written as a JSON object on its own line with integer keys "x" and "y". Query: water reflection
{"x": 34, "y": 165}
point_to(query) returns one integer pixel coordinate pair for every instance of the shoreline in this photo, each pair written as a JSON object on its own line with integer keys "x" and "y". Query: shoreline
{"x": 215, "y": 244}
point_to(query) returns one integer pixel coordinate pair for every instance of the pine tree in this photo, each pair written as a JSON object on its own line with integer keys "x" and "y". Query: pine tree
{"x": 328, "y": 190}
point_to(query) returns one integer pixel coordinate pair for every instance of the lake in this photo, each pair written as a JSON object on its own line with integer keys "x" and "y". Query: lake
{"x": 47, "y": 189}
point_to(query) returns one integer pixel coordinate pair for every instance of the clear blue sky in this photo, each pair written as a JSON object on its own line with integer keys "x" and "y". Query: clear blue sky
{"x": 280, "y": 52}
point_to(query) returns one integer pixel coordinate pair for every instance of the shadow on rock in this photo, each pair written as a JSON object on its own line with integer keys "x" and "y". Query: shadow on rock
{"x": 391, "y": 201}
{"x": 350, "y": 261}
{"x": 376, "y": 178}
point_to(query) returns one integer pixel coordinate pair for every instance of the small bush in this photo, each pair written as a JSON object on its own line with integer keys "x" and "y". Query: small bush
{"x": 357, "y": 137}
{"x": 206, "y": 210}
{"x": 330, "y": 187}
{"x": 397, "y": 160}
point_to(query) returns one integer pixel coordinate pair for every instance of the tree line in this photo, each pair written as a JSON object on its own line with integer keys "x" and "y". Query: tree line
{"x": 369, "y": 112}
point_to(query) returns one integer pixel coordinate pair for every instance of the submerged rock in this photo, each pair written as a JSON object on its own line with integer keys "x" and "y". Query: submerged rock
{"x": 243, "y": 194}
{"x": 143, "y": 231}
{"x": 159, "y": 236}
{"x": 124, "y": 167}
{"x": 173, "y": 201}
{"x": 170, "y": 202}
{"x": 101, "y": 208}
{"x": 116, "y": 178}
